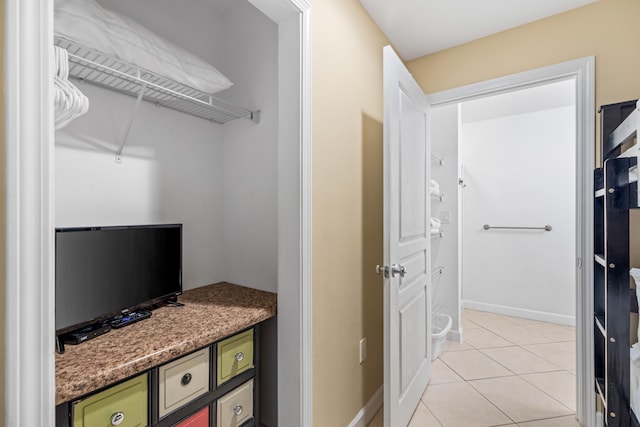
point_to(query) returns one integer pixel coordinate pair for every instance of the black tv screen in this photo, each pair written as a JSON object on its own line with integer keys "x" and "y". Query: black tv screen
{"x": 104, "y": 271}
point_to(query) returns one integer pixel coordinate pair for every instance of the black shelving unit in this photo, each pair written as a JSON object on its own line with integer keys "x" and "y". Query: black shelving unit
{"x": 614, "y": 195}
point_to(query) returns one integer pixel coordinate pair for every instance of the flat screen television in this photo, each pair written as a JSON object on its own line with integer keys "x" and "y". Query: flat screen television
{"x": 102, "y": 272}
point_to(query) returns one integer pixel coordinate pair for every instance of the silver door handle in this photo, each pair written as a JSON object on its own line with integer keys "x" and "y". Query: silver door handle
{"x": 393, "y": 271}
{"x": 397, "y": 269}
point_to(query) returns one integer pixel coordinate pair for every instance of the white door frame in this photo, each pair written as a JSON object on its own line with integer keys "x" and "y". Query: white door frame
{"x": 29, "y": 358}
{"x": 583, "y": 71}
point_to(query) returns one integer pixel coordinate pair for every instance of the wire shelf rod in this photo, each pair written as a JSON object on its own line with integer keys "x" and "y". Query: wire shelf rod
{"x": 94, "y": 67}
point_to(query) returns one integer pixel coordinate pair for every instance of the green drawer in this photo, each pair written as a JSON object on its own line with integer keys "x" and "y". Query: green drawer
{"x": 123, "y": 405}
{"x": 235, "y": 355}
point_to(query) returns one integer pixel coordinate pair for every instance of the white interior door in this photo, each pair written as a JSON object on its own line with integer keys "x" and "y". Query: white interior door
{"x": 407, "y": 310}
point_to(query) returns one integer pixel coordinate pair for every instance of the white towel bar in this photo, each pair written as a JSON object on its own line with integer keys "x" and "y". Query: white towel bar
{"x": 545, "y": 228}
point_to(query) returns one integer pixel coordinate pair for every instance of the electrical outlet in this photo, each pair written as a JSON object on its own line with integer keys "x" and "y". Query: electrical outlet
{"x": 363, "y": 350}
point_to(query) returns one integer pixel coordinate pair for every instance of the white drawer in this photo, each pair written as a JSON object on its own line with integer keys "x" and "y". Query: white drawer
{"x": 236, "y": 407}
{"x": 183, "y": 380}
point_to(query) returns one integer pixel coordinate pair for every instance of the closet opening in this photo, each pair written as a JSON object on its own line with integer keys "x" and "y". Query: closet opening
{"x": 173, "y": 165}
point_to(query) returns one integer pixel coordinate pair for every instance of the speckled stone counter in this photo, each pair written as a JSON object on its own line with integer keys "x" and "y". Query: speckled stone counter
{"x": 210, "y": 313}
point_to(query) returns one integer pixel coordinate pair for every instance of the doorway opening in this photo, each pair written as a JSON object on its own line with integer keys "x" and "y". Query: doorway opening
{"x": 504, "y": 166}
{"x": 508, "y": 204}
{"x": 580, "y": 74}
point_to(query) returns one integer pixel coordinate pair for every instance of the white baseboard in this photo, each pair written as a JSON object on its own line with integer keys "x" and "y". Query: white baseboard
{"x": 543, "y": 316}
{"x": 366, "y": 414}
{"x": 455, "y": 335}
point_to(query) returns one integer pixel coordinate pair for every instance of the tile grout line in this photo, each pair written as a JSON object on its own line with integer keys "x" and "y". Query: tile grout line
{"x": 560, "y": 369}
{"x": 483, "y": 396}
{"x": 545, "y": 392}
{"x": 513, "y": 374}
{"x": 521, "y": 346}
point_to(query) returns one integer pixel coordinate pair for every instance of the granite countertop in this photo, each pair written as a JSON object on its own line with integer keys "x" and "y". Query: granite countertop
{"x": 210, "y": 313}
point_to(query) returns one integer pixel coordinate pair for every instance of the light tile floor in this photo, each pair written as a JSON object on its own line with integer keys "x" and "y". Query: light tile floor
{"x": 508, "y": 372}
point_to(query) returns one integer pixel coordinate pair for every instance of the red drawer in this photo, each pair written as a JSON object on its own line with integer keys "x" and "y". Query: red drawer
{"x": 199, "y": 419}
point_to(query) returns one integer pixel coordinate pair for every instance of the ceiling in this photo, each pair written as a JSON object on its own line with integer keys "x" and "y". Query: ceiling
{"x": 532, "y": 99}
{"x": 420, "y": 27}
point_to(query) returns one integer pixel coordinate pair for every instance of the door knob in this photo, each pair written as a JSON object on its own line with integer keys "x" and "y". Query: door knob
{"x": 393, "y": 271}
{"x": 397, "y": 269}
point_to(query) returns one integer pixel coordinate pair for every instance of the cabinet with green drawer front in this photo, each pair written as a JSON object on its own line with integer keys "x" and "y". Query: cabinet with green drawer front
{"x": 212, "y": 386}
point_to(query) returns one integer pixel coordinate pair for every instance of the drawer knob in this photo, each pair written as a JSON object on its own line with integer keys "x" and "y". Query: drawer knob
{"x": 186, "y": 379}
{"x": 117, "y": 418}
{"x": 239, "y": 356}
{"x": 238, "y": 409}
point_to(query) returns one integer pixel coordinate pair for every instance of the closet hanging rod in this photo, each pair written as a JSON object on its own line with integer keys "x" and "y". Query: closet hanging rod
{"x": 437, "y": 271}
{"x": 437, "y": 159}
{"x": 545, "y": 228}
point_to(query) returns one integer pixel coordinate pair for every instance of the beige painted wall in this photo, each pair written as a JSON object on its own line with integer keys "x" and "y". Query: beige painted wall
{"x": 606, "y": 29}
{"x": 347, "y": 208}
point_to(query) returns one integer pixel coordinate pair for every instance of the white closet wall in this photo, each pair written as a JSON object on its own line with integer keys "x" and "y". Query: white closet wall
{"x": 250, "y": 152}
{"x": 171, "y": 171}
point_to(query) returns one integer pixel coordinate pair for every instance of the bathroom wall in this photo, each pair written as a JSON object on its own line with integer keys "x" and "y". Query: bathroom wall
{"x": 519, "y": 165}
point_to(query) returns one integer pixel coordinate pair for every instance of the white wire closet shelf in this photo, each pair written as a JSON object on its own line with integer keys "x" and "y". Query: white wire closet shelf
{"x": 94, "y": 67}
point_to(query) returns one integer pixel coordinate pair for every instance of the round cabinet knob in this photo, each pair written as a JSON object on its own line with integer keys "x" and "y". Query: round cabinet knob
{"x": 186, "y": 379}
{"x": 238, "y": 409}
{"x": 117, "y": 418}
{"x": 239, "y": 356}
